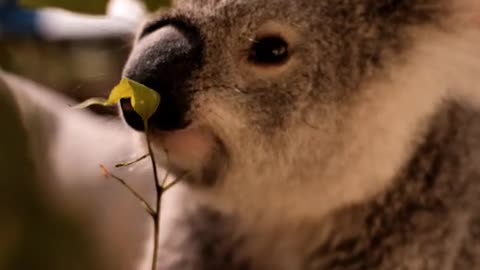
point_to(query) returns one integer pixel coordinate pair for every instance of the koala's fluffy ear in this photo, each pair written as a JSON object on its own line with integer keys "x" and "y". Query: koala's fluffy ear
{"x": 176, "y": 3}
{"x": 191, "y": 3}
{"x": 182, "y": 3}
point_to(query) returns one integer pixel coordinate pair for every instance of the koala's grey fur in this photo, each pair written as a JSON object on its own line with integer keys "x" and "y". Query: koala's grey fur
{"x": 363, "y": 152}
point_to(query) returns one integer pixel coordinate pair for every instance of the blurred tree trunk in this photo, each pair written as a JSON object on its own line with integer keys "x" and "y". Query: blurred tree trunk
{"x": 33, "y": 234}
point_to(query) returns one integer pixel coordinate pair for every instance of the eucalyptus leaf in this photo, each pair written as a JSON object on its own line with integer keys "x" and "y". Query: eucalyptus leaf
{"x": 144, "y": 100}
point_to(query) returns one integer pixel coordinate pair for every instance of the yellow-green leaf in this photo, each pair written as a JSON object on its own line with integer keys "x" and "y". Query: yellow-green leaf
{"x": 144, "y": 100}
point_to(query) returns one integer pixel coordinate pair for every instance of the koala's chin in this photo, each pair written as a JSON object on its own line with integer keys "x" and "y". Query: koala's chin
{"x": 194, "y": 150}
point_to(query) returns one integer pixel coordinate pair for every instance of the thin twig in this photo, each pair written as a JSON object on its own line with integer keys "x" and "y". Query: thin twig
{"x": 152, "y": 158}
{"x": 164, "y": 180}
{"x": 159, "y": 191}
{"x": 126, "y": 164}
{"x": 174, "y": 182}
{"x": 144, "y": 203}
{"x": 156, "y": 232}
{"x": 167, "y": 173}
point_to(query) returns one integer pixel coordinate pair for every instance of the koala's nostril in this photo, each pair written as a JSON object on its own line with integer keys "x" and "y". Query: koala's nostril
{"x": 130, "y": 116}
{"x": 164, "y": 60}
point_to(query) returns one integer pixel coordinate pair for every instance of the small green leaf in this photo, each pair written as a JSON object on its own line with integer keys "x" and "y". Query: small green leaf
{"x": 90, "y": 102}
{"x": 144, "y": 100}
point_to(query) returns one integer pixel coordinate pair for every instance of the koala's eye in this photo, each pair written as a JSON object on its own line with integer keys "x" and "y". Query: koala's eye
{"x": 269, "y": 51}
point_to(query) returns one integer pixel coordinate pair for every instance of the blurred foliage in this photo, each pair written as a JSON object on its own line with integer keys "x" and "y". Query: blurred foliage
{"x": 87, "y": 6}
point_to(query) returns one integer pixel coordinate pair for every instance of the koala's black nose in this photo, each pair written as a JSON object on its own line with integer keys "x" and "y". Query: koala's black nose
{"x": 164, "y": 60}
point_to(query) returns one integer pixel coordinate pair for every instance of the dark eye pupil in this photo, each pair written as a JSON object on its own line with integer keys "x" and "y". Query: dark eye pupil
{"x": 269, "y": 51}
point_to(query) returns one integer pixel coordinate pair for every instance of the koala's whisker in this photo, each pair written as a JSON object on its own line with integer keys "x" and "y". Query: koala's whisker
{"x": 304, "y": 120}
{"x": 238, "y": 90}
{"x": 217, "y": 114}
{"x": 227, "y": 87}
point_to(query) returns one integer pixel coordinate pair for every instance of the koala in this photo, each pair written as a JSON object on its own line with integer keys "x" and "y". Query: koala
{"x": 317, "y": 134}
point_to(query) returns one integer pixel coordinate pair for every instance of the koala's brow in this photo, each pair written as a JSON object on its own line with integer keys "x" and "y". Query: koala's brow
{"x": 150, "y": 26}
{"x": 159, "y": 22}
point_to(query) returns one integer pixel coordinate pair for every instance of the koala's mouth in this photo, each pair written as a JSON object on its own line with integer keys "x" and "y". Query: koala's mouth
{"x": 190, "y": 145}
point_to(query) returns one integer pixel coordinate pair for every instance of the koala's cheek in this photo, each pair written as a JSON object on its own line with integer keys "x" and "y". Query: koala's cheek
{"x": 187, "y": 149}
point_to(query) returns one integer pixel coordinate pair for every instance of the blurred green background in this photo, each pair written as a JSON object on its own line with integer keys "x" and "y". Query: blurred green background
{"x": 87, "y": 6}
{"x": 78, "y": 69}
